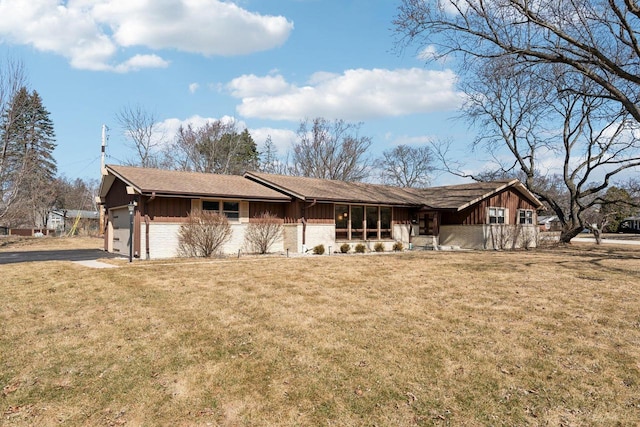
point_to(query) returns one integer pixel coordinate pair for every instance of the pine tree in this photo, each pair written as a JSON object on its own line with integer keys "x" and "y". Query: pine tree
{"x": 12, "y": 159}
{"x": 28, "y": 139}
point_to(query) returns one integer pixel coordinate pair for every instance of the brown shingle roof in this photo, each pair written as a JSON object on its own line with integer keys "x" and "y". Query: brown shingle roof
{"x": 147, "y": 181}
{"x": 335, "y": 191}
{"x": 460, "y": 196}
{"x": 455, "y": 197}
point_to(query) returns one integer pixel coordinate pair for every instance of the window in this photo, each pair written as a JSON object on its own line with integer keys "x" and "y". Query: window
{"x": 229, "y": 209}
{"x": 372, "y": 222}
{"x": 496, "y": 215}
{"x": 385, "y": 222}
{"x": 210, "y": 206}
{"x": 357, "y": 222}
{"x": 525, "y": 216}
{"x": 342, "y": 222}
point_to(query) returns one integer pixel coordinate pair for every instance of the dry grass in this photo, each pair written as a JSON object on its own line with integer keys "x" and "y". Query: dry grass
{"x": 426, "y": 338}
{"x": 17, "y": 243}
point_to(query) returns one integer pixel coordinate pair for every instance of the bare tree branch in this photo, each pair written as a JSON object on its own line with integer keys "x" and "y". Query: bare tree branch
{"x": 142, "y": 129}
{"x": 331, "y": 150}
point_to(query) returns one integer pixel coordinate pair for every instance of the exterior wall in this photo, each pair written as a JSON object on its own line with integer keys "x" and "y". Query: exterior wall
{"x": 424, "y": 241}
{"x": 321, "y": 234}
{"x": 401, "y": 233}
{"x": 489, "y": 236}
{"x": 293, "y": 237}
{"x": 477, "y": 214}
{"x": 163, "y": 209}
{"x": 258, "y": 208}
{"x": 163, "y": 240}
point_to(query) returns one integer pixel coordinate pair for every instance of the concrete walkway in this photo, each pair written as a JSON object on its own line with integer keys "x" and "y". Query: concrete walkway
{"x": 95, "y": 264}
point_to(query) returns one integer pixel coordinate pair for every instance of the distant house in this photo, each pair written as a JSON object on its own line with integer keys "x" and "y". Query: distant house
{"x": 549, "y": 223}
{"x": 630, "y": 225}
{"x": 314, "y": 211}
{"x": 63, "y": 220}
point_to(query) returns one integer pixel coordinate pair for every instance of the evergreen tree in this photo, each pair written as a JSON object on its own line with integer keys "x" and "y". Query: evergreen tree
{"x": 215, "y": 147}
{"x": 28, "y": 141}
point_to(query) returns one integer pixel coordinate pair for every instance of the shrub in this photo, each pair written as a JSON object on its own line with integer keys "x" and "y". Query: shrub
{"x": 397, "y": 246}
{"x": 378, "y": 247}
{"x": 360, "y": 248}
{"x": 262, "y": 232}
{"x": 318, "y": 249}
{"x": 345, "y": 247}
{"x": 203, "y": 234}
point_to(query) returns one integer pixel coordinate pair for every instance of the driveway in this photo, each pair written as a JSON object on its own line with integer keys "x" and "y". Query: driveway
{"x": 55, "y": 255}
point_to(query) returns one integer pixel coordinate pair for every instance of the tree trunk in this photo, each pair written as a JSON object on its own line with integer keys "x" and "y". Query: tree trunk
{"x": 567, "y": 235}
{"x": 597, "y": 234}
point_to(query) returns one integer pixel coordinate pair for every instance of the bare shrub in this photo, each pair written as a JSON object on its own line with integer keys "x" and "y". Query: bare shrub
{"x": 203, "y": 234}
{"x": 500, "y": 236}
{"x": 528, "y": 237}
{"x": 262, "y": 232}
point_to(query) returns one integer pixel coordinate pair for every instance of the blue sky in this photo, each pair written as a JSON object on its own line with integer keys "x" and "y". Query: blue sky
{"x": 266, "y": 63}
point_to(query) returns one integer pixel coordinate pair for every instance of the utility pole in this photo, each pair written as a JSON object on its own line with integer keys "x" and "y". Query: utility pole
{"x": 103, "y": 172}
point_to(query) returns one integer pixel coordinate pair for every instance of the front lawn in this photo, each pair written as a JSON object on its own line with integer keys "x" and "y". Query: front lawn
{"x": 547, "y": 337}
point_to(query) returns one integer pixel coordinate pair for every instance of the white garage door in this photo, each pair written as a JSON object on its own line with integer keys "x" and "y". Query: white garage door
{"x": 120, "y": 221}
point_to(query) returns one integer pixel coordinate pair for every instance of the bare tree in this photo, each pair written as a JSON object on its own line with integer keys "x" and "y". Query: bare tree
{"x": 557, "y": 80}
{"x": 406, "y": 166}
{"x": 12, "y": 165}
{"x": 142, "y": 130}
{"x": 536, "y": 118}
{"x": 203, "y": 234}
{"x": 597, "y": 39}
{"x": 331, "y": 150}
{"x": 262, "y": 232}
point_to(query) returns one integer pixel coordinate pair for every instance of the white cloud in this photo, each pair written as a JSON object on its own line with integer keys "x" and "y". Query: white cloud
{"x": 170, "y": 126}
{"x": 252, "y": 86}
{"x": 138, "y": 62}
{"x": 357, "y": 94}
{"x": 412, "y": 140}
{"x": 92, "y": 33}
{"x": 282, "y": 139}
{"x": 209, "y": 27}
{"x": 193, "y": 87}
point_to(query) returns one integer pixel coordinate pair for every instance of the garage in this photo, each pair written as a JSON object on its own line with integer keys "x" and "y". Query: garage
{"x": 120, "y": 221}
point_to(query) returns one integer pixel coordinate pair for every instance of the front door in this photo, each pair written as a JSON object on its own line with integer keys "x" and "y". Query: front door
{"x": 428, "y": 223}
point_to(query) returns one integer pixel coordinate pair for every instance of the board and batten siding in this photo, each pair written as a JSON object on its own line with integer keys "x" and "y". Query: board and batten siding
{"x": 165, "y": 209}
{"x": 477, "y": 214}
{"x": 259, "y": 208}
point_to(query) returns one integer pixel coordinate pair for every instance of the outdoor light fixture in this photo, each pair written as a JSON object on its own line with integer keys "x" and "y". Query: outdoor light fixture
{"x": 132, "y": 207}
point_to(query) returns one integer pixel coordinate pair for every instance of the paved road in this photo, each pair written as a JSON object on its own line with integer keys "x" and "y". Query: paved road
{"x": 606, "y": 241}
{"x": 60, "y": 255}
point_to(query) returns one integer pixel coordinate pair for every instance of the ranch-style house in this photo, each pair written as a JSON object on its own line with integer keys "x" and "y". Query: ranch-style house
{"x": 489, "y": 215}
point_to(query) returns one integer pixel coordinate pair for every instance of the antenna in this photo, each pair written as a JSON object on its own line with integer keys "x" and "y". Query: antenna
{"x": 104, "y": 145}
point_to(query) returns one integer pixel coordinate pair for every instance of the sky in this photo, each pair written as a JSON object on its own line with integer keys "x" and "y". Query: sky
{"x": 268, "y": 64}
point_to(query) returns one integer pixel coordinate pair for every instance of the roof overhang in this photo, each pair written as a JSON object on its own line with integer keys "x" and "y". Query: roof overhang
{"x": 273, "y": 186}
{"x": 515, "y": 183}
